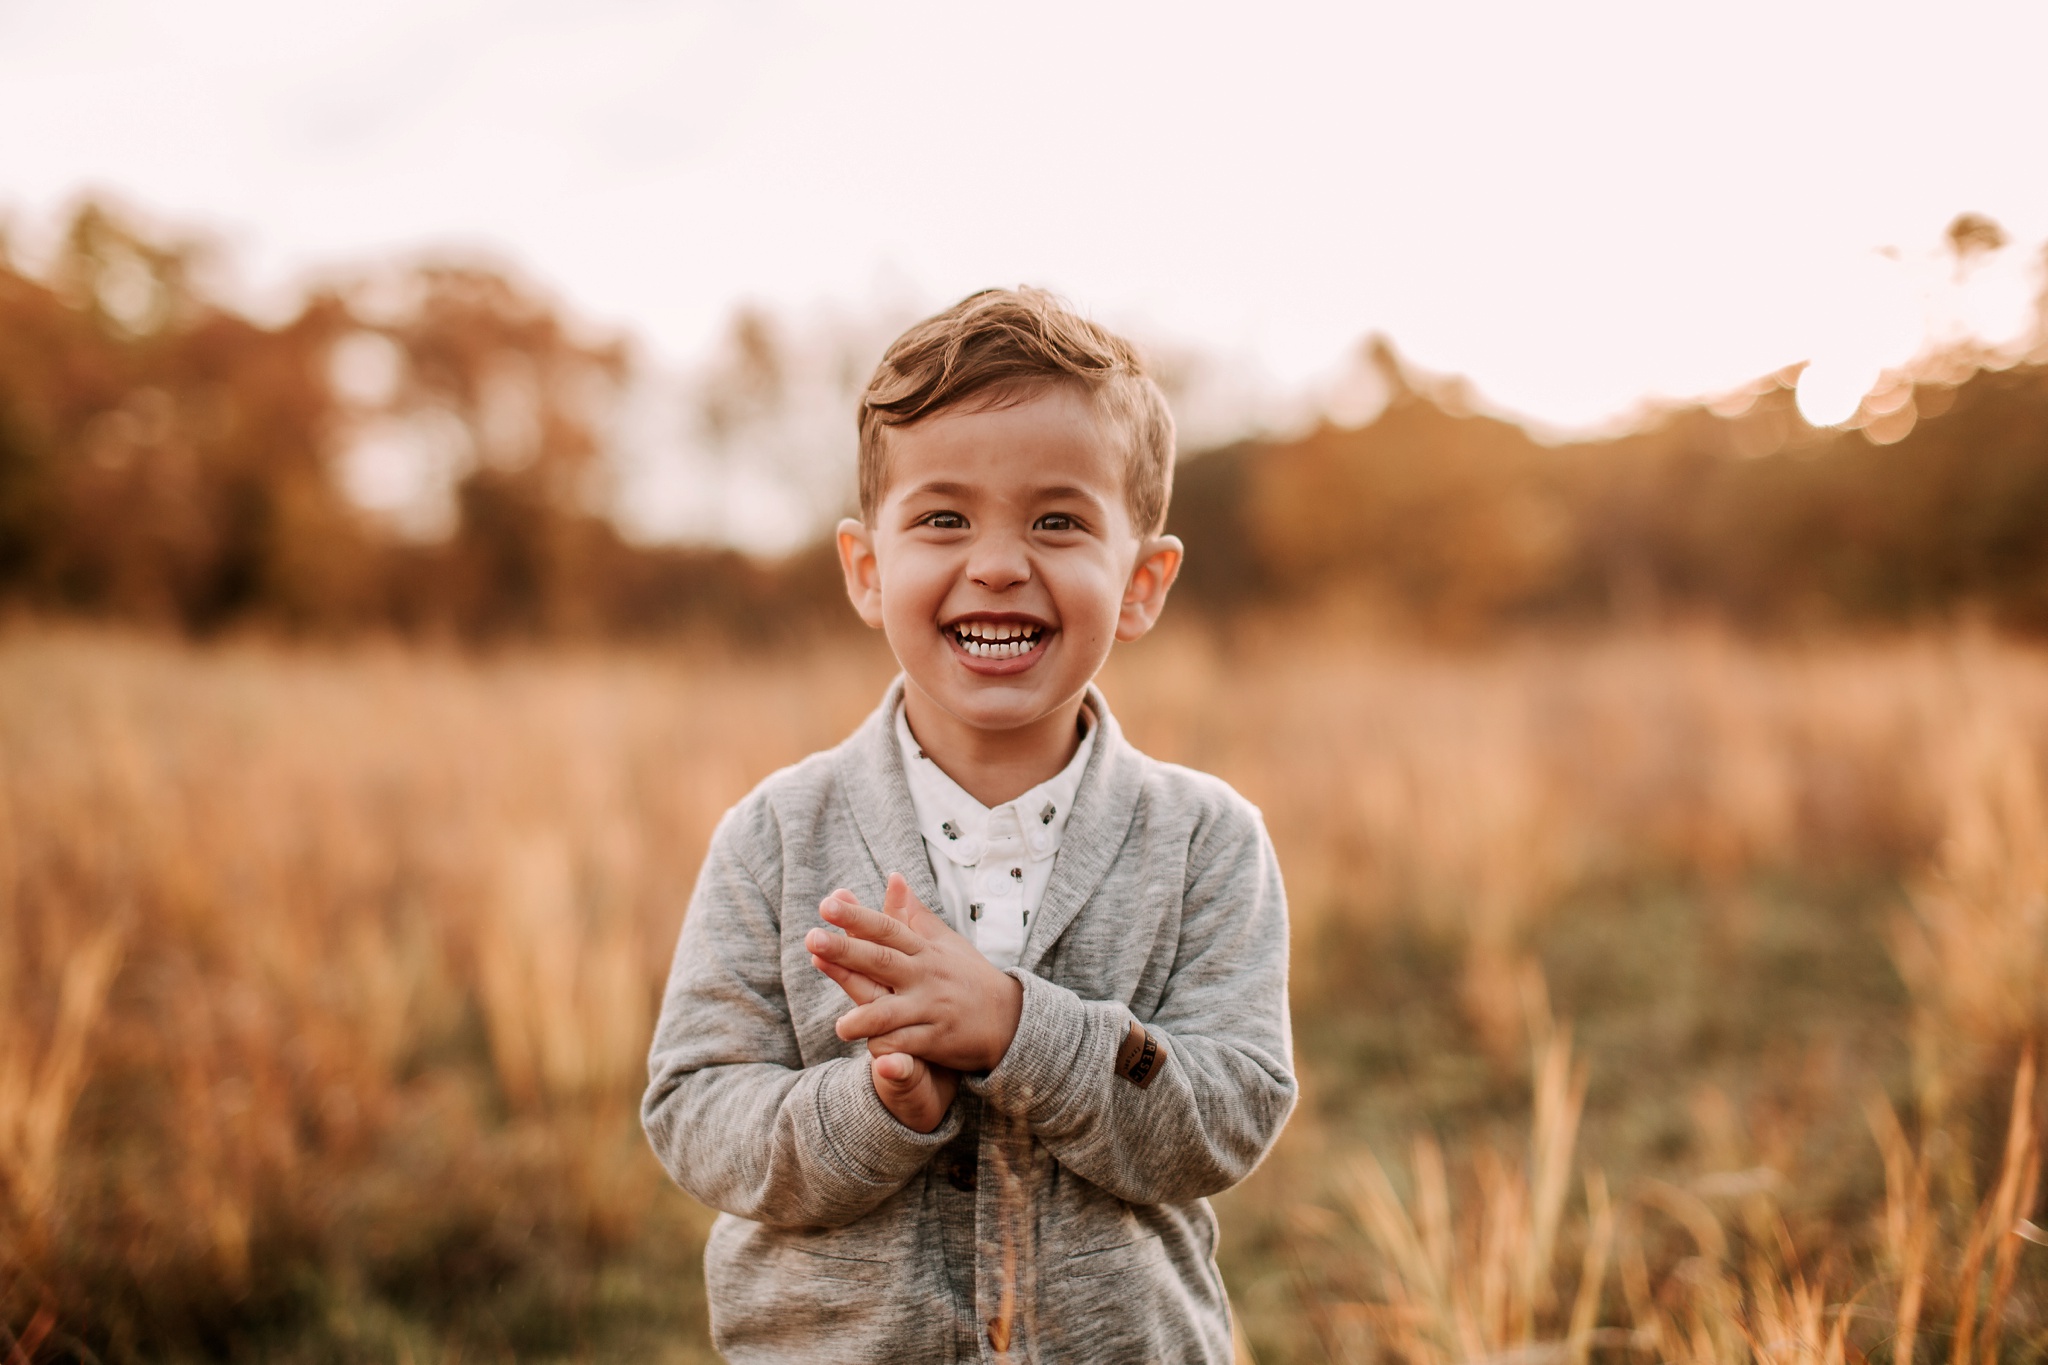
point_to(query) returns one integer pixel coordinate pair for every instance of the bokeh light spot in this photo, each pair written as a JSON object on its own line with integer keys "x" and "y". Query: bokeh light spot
{"x": 1830, "y": 391}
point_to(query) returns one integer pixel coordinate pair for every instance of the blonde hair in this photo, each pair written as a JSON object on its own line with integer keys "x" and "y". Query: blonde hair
{"x": 1005, "y": 342}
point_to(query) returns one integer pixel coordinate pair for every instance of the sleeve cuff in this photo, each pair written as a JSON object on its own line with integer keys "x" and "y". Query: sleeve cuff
{"x": 1065, "y": 1046}
{"x": 868, "y": 1141}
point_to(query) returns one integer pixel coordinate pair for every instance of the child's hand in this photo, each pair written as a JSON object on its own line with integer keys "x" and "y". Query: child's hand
{"x": 915, "y": 1091}
{"x": 945, "y": 1003}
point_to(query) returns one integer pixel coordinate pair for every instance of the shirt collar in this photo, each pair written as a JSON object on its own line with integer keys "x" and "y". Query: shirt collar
{"x": 956, "y": 823}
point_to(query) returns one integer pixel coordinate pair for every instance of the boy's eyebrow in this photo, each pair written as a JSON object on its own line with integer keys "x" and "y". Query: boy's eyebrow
{"x": 943, "y": 488}
{"x": 1066, "y": 490}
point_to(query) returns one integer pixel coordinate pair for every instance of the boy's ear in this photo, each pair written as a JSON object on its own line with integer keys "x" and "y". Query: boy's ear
{"x": 863, "y": 571}
{"x": 1158, "y": 565}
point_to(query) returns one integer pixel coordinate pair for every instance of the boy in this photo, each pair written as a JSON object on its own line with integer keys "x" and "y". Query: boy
{"x": 1071, "y": 1000}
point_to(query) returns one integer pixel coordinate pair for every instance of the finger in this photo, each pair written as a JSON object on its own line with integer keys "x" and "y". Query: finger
{"x": 916, "y": 1039}
{"x": 938, "y": 1072}
{"x": 877, "y": 960}
{"x": 878, "y": 925}
{"x": 873, "y": 926}
{"x": 902, "y": 904}
{"x": 886, "y": 1015}
{"x": 906, "y": 1070}
{"x": 885, "y": 965}
{"x": 860, "y": 989}
{"x": 897, "y": 898}
{"x": 839, "y": 897}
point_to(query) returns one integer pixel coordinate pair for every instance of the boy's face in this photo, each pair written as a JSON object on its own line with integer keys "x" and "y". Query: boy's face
{"x": 1002, "y": 563}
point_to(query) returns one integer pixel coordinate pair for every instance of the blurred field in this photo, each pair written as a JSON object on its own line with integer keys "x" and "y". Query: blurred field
{"x": 1657, "y": 996}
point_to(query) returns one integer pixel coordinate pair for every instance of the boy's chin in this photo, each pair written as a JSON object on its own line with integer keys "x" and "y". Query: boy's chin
{"x": 1002, "y": 702}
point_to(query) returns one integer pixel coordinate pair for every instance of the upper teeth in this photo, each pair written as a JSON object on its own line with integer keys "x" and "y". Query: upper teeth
{"x": 993, "y": 630}
{"x": 996, "y": 639}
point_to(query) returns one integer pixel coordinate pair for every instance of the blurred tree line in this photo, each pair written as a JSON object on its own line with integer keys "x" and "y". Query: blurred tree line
{"x": 1451, "y": 524}
{"x": 165, "y": 459}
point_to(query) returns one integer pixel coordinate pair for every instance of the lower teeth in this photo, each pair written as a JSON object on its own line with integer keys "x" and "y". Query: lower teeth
{"x": 998, "y": 649}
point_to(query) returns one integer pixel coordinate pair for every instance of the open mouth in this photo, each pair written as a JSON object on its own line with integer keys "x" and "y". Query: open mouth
{"x": 996, "y": 639}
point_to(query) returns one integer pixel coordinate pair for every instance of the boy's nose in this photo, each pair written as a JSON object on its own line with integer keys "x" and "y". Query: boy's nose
{"x": 998, "y": 562}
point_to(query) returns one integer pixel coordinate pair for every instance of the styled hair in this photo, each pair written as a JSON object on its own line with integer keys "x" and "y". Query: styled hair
{"x": 1001, "y": 344}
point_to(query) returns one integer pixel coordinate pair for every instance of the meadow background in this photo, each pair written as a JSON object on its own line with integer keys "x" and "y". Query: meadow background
{"x": 1664, "y": 815}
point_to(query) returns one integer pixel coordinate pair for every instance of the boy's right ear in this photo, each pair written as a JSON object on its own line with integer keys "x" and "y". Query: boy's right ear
{"x": 863, "y": 571}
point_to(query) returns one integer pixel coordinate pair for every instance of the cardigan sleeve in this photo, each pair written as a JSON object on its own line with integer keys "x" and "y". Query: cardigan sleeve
{"x": 734, "y": 1115}
{"x": 1226, "y": 1086}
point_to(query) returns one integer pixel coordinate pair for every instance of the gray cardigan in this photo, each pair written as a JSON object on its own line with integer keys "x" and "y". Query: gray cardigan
{"x": 1058, "y": 1213}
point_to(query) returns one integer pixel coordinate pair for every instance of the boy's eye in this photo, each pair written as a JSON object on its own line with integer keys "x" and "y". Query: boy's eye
{"x": 1058, "y": 521}
{"x": 943, "y": 521}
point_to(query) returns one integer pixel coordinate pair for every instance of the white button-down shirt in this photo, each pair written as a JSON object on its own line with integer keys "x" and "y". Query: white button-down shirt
{"x": 992, "y": 866}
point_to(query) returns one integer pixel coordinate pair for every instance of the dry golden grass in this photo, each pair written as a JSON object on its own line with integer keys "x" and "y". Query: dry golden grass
{"x": 389, "y": 930}
{"x": 1472, "y": 1290}
{"x": 1518, "y": 1274}
{"x": 1471, "y": 792}
{"x": 326, "y": 977}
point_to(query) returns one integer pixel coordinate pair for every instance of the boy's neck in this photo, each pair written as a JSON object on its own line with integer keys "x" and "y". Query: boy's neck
{"x": 994, "y": 766}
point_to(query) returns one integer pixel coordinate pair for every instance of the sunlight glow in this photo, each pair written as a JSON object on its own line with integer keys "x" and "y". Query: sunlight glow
{"x": 1829, "y": 393}
{"x": 1278, "y": 185}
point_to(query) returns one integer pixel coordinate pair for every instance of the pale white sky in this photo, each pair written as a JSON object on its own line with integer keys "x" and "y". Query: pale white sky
{"x": 1577, "y": 204}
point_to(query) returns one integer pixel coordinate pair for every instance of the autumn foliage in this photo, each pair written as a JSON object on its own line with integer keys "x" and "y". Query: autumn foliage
{"x": 167, "y": 459}
{"x": 1436, "y": 519}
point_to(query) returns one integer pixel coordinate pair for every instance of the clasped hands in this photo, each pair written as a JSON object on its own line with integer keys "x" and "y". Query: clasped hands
{"x": 928, "y": 1003}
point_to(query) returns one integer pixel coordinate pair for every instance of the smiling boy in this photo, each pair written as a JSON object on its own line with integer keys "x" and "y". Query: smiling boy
{"x": 1066, "y": 960}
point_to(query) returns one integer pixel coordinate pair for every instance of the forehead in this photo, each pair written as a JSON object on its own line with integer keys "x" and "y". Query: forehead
{"x": 1051, "y": 438}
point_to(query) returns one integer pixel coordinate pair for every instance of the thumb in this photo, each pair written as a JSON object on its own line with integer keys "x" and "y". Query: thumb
{"x": 897, "y": 1068}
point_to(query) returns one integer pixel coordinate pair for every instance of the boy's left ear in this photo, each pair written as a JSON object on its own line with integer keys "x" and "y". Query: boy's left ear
{"x": 1145, "y": 596}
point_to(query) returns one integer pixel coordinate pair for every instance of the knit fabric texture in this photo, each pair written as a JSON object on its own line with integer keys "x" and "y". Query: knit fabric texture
{"x": 1059, "y": 1213}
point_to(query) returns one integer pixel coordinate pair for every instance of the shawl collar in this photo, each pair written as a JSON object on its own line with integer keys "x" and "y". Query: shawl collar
{"x": 871, "y": 774}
